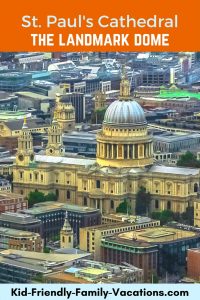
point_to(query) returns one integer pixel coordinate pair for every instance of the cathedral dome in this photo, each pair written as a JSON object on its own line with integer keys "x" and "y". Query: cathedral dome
{"x": 125, "y": 112}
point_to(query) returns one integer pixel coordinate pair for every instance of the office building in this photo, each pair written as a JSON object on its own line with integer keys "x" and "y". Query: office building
{"x": 88, "y": 271}
{"x": 10, "y": 202}
{"x": 20, "y": 240}
{"x": 193, "y": 264}
{"x": 155, "y": 250}
{"x": 21, "y": 222}
{"x": 52, "y": 216}
{"x": 90, "y": 237}
{"x": 18, "y": 266}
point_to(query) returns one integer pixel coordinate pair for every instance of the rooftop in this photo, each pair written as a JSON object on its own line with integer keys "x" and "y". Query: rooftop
{"x": 4, "y": 195}
{"x": 85, "y": 271}
{"x": 18, "y": 218}
{"x": 172, "y": 137}
{"x": 16, "y": 233}
{"x": 169, "y": 94}
{"x": 31, "y": 123}
{"x": 64, "y": 160}
{"x": 32, "y": 95}
{"x": 174, "y": 170}
{"x": 45, "y": 207}
{"x": 36, "y": 261}
{"x": 157, "y": 235}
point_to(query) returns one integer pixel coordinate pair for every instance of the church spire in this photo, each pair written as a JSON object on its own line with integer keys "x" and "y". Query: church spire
{"x": 124, "y": 85}
{"x": 66, "y": 234}
{"x": 25, "y": 152}
{"x": 55, "y": 141}
{"x": 25, "y": 123}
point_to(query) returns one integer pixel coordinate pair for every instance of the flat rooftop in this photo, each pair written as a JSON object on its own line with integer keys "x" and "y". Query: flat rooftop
{"x": 50, "y": 206}
{"x": 4, "y": 195}
{"x": 174, "y": 170}
{"x": 170, "y": 94}
{"x": 36, "y": 261}
{"x": 157, "y": 235}
{"x": 32, "y": 95}
{"x": 16, "y": 233}
{"x": 18, "y": 218}
{"x": 64, "y": 160}
{"x": 173, "y": 138}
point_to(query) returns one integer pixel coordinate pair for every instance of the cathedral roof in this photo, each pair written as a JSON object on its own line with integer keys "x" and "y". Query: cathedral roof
{"x": 125, "y": 112}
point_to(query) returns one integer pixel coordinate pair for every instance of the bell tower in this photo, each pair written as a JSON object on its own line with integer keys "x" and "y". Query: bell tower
{"x": 66, "y": 235}
{"x": 100, "y": 100}
{"x": 55, "y": 142}
{"x": 25, "y": 153}
{"x": 124, "y": 85}
{"x": 65, "y": 113}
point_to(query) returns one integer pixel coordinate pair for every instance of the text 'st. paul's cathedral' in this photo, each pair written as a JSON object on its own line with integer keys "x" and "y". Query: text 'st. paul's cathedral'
{"x": 124, "y": 163}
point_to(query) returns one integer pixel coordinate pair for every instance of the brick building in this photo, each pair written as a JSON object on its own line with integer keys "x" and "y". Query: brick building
{"x": 193, "y": 263}
{"x": 12, "y": 202}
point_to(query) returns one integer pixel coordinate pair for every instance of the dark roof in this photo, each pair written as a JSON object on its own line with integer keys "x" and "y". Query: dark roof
{"x": 31, "y": 123}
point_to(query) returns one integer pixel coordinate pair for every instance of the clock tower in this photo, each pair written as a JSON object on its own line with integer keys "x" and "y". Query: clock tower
{"x": 25, "y": 153}
{"x": 55, "y": 142}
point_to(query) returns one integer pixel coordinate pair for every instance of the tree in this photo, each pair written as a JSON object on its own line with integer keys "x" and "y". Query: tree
{"x": 35, "y": 197}
{"x": 38, "y": 197}
{"x": 164, "y": 216}
{"x": 143, "y": 202}
{"x": 98, "y": 116}
{"x": 46, "y": 250}
{"x": 188, "y": 216}
{"x": 188, "y": 160}
{"x": 51, "y": 197}
{"x": 124, "y": 207}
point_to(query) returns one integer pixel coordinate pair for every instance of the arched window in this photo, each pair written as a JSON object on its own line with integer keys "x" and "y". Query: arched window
{"x": 119, "y": 150}
{"x": 98, "y": 184}
{"x": 168, "y": 205}
{"x": 68, "y": 194}
{"x": 195, "y": 187}
{"x": 112, "y": 205}
{"x": 70, "y": 239}
{"x": 85, "y": 201}
{"x": 156, "y": 204}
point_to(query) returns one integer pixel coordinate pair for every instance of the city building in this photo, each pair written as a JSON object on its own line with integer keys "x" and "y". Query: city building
{"x": 5, "y": 185}
{"x": 170, "y": 143}
{"x": 23, "y": 222}
{"x": 78, "y": 102}
{"x": 27, "y": 100}
{"x": 12, "y": 81}
{"x": 100, "y": 101}
{"x": 88, "y": 271}
{"x": 10, "y": 202}
{"x": 20, "y": 240}
{"x": 90, "y": 237}
{"x": 193, "y": 264}
{"x": 80, "y": 142}
{"x": 18, "y": 266}
{"x": 183, "y": 101}
{"x": 13, "y": 128}
{"x": 124, "y": 162}
{"x": 197, "y": 212}
{"x": 155, "y": 250}
{"x": 8, "y": 101}
{"x": 146, "y": 91}
{"x": 52, "y": 216}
